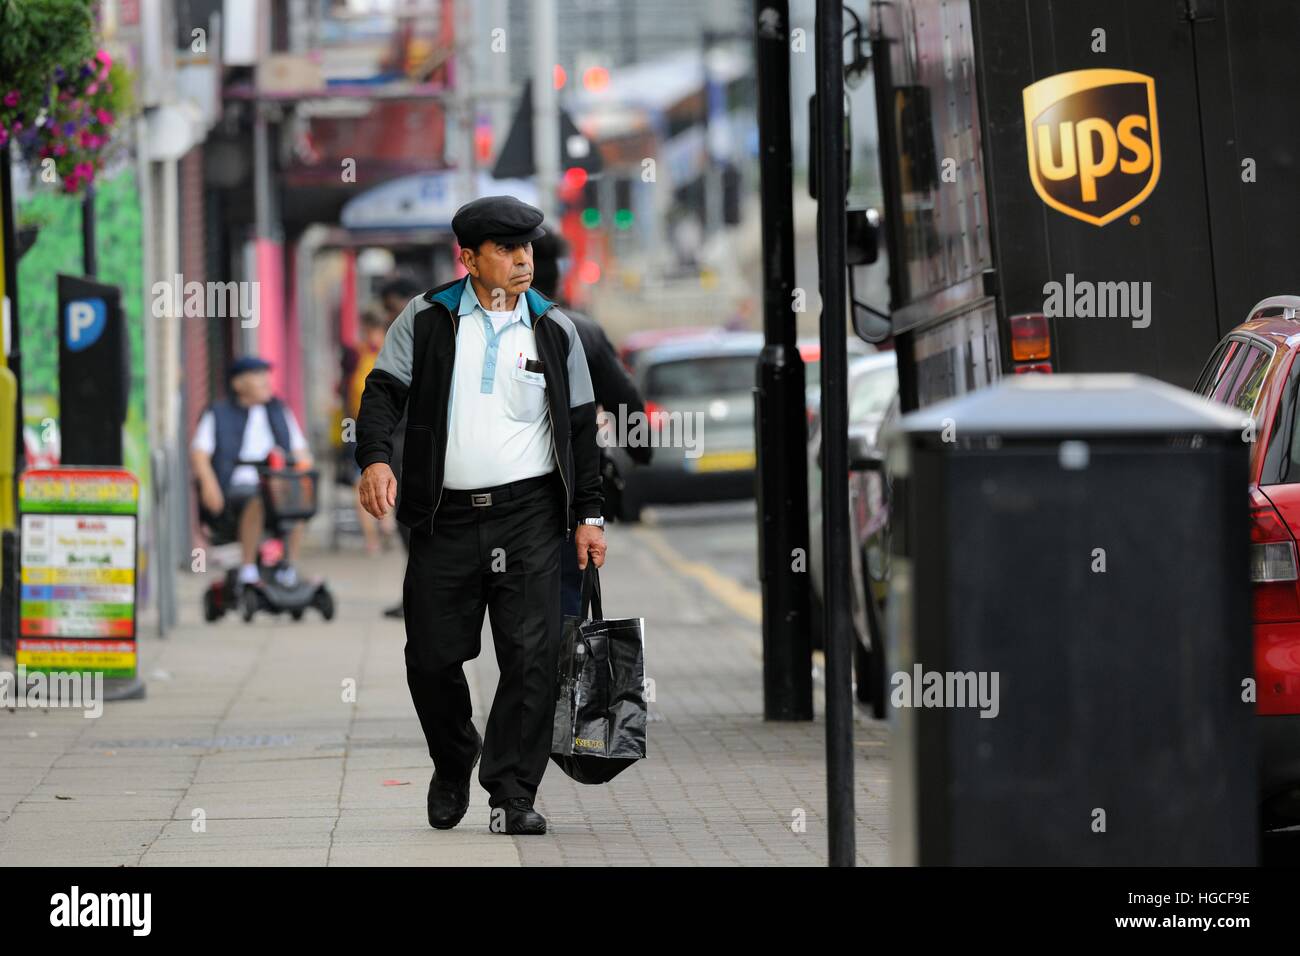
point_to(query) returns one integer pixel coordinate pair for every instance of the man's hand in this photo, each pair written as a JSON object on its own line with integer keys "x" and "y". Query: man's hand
{"x": 590, "y": 538}
{"x": 377, "y": 489}
{"x": 213, "y": 500}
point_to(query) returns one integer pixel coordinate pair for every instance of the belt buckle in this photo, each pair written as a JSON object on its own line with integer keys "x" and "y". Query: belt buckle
{"x": 482, "y": 500}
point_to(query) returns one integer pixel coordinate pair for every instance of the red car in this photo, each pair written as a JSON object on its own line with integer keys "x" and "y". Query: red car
{"x": 1254, "y": 370}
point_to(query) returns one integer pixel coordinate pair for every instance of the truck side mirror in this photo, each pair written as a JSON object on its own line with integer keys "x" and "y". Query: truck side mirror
{"x": 864, "y": 455}
{"x": 862, "y": 235}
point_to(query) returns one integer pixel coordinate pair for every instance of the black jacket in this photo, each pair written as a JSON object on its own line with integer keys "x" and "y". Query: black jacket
{"x": 413, "y": 371}
{"x": 612, "y": 385}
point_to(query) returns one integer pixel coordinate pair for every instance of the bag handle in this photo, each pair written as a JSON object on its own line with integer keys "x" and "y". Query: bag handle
{"x": 591, "y": 593}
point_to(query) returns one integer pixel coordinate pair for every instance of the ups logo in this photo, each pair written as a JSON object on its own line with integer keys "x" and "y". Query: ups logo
{"x": 1094, "y": 146}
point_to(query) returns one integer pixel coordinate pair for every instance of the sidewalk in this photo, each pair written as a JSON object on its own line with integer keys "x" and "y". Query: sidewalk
{"x": 246, "y": 753}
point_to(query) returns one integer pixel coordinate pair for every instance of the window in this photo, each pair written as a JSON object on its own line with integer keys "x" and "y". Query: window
{"x": 1227, "y": 380}
{"x": 1280, "y": 464}
{"x": 1253, "y": 372}
{"x": 872, "y": 393}
{"x": 701, "y": 377}
{"x": 1214, "y": 367}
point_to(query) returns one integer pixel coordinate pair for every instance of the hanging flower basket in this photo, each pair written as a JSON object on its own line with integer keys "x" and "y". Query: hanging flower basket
{"x": 69, "y": 135}
{"x": 61, "y": 99}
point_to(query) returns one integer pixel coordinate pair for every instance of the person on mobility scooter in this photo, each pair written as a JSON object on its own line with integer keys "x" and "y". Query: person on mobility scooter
{"x": 239, "y": 454}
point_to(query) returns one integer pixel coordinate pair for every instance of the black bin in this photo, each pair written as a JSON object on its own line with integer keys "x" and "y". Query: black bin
{"x": 1085, "y": 539}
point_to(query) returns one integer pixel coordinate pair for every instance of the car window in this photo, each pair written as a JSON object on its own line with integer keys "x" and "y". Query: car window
{"x": 1253, "y": 371}
{"x": 872, "y": 392}
{"x": 1227, "y": 380}
{"x": 701, "y": 377}
{"x": 1281, "y": 463}
{"x": 1213, "y": 369}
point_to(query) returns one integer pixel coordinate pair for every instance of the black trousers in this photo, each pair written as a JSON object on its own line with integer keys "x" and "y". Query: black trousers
{"x": 504, "y": 558}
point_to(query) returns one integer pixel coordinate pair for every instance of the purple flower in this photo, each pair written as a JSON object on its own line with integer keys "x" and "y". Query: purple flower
{"x": 11, "y": 98}
{"x": 60, "y": 72}
{"x": 69, "y": 129}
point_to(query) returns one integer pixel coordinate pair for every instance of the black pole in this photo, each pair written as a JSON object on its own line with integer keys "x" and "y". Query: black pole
{"x": 15, "y": 357}
{"x": 9, "y": 538}
{"x": 89, "y": 259}
{"x": 837, "y": 622}
{"x": 779, "y": 399}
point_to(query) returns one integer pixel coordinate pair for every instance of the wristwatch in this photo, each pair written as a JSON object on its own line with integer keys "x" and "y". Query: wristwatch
{"x": 598, "y": 522}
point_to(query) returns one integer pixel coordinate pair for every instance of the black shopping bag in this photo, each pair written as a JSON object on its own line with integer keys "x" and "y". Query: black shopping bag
{"x": 600, "y": 707}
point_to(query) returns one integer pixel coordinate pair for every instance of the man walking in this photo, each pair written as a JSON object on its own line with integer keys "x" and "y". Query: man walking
{"x": 500, "y": 464}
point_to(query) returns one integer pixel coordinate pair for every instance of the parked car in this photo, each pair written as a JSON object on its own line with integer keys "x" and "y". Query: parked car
{"x": 635, "y": 343}
{"x": 1254, "y": 370}
{"x": 810, "y": 350}
{"x": 872, "y": 387}
{"x": 700, "y": 405}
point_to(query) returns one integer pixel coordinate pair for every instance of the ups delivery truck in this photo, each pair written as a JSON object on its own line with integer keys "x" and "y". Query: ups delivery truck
{"x": 1083, "y": 187}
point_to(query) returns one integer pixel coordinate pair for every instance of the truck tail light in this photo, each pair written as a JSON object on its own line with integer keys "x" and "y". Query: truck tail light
{"x": 1273, "y": 568}
{"x": 1031, "y": 339}
{"x": 1044, "y": 368}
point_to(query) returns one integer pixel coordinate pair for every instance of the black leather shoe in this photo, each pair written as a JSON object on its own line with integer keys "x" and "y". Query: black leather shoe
{"x": 449, "y": 799}
{"x": 520, "y": 817}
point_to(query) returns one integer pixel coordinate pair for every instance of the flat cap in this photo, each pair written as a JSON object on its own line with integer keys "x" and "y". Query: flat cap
{"x": 503, "y": 219}
{"x": 247, "y": 363}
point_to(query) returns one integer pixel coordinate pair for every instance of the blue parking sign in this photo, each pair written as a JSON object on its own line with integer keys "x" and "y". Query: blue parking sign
{"x": 83, "y": 322}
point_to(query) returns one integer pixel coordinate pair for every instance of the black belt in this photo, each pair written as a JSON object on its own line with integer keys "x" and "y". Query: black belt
{"x": 485, "y": 497}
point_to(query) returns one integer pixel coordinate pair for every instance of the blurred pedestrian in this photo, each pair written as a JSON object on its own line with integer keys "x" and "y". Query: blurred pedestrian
{"x": 503, "y": 458}
{"x": 613, "y": 387}
{"x": 374, "y": 326}
{"x": 396, "y": 294}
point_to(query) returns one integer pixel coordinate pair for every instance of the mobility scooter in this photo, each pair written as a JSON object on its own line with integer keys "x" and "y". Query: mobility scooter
{"x": 288, "y": 495}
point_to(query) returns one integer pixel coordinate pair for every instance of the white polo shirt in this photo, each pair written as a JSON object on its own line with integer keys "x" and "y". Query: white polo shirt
{"x": 499, "y": 428}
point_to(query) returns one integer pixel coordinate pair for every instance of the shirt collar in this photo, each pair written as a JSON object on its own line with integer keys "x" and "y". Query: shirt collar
{"x": 469, "y": 302}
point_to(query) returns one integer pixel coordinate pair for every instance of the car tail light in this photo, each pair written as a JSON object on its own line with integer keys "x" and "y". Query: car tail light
{"x": 1030, "y": 337}
{"x": 1042, "y": 368}
{"x": 652, "y": 413}
{"x": 1272, "y": 563}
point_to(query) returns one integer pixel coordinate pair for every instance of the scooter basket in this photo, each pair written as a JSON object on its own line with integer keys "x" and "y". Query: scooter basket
{"x": 289, "y": 495}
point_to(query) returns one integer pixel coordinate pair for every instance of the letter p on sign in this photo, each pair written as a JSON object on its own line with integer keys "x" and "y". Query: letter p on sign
{"x": 83, "y": 323}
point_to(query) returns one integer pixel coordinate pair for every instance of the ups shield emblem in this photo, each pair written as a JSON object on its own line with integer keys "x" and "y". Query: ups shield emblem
{"x": 1094, "y": 144}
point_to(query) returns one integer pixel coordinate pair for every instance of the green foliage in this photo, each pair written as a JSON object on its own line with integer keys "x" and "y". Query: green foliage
{"x": 60, "y": 98}
{"x": 36, "y": 36}
{"x": 58, "y": 249}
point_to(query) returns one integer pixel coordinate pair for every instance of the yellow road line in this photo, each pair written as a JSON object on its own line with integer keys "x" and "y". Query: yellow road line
{"x": 748, "y": 604}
